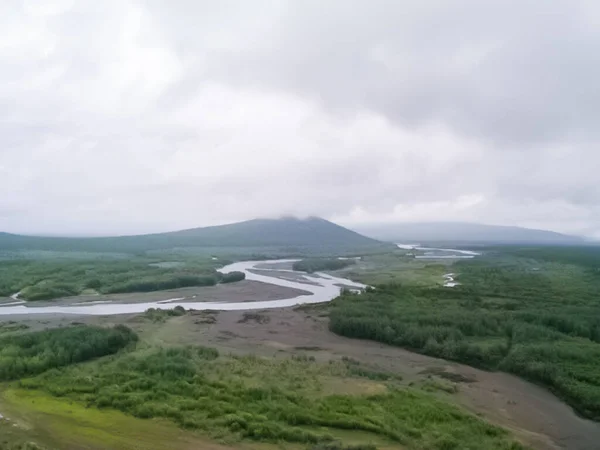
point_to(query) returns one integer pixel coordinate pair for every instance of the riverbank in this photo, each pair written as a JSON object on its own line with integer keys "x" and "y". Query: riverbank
{"x": 289, "y": 288}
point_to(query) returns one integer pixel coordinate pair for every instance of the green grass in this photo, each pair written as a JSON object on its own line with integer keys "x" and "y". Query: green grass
{"x": 538, "y": 318}
{"x": 41, "y": 421}
{"x": 396, "y": 267}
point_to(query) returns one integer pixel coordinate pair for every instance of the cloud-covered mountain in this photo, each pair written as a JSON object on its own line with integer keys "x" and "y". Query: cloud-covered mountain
{"x": 464, "y": 232}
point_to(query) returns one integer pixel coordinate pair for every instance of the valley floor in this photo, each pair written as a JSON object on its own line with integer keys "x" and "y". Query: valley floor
{"x": 536, "y": 417}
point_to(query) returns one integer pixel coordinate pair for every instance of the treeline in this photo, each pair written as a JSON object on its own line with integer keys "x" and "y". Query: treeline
{"x": 588, "y": 256}
{"x": 33, "y": 353}
{"x": 321, "y": 264}
{"x": 162, "y": 283}
{"x": 231, "y": 277}
{"x": 537, "y": 324}
{"x": 49, "y": 279}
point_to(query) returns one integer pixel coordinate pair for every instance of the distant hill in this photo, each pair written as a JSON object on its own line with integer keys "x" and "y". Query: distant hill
{"x": 270, "y": 236}
{"x": 465, "y": 233}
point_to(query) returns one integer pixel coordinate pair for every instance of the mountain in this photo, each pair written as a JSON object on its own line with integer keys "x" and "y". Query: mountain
{"x": 273, "y": 236}
{"x": 465, "y": 233}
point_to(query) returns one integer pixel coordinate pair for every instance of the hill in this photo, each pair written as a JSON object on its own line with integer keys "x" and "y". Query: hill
{"x": 459, "y": 232}
{"x": 267, "y": 236}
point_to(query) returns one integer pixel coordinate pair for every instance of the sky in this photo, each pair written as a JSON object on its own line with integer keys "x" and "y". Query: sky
{"x": 123, "y": 117}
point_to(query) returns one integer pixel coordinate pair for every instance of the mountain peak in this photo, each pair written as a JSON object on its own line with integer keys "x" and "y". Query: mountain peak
{"x": 292, "y": 234}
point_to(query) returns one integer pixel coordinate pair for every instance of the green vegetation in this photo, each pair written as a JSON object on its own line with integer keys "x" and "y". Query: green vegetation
{"x": 249, "y": 398}
{"x": 532, "y": 312}
{"x": 49, "y": 279}
{"x": 161, "y": 315}
{"x": 39, "y": 421}
{"x": 232, "y": 277}
{"x": 33, "y": 353}
{"x": 322, "y": 264}
{"x": 397, "y": 267}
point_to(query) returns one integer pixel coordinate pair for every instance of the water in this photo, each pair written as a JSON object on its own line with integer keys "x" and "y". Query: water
{"x": 441, "y": 253}
{"x": 449, "y": 280}
{"x": 324, "y": 289}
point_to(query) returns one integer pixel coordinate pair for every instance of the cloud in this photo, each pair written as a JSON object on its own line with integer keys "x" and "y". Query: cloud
{"x": 135, "y": 117}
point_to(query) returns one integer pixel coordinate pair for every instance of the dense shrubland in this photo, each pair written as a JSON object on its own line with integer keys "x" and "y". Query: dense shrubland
{"x": 33, "y": 353}
{"x": 55, "y": 278}
{"x": 537, "y": 319}
{"x": 265, "y": 400}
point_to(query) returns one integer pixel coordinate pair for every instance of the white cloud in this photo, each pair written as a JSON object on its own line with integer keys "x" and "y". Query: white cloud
{"x": 134, "y": 117}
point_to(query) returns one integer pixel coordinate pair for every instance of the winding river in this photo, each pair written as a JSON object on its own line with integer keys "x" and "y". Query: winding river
{"x": 322, "y": 288}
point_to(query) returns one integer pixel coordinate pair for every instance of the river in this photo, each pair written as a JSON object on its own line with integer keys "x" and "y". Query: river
{"x": 439, "y": 253}
{"x": 322, "y": 288}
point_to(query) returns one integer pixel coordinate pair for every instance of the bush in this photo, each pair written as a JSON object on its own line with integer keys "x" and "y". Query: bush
{"x": 33, "y": 353}
{"x": 232, "y": 277}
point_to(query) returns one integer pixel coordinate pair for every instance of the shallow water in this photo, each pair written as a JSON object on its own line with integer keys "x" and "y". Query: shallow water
{"x": 324, "y": 289}
{"x": 439, "y": 253}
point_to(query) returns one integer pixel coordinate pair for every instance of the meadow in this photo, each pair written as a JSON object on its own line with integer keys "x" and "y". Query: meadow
{"x": 534, "y": 312}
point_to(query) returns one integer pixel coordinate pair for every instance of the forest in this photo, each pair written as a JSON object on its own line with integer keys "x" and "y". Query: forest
{"x": 56, "y": 278}
{"x": 534, "y": 313}
{"x": 32, "y": 353}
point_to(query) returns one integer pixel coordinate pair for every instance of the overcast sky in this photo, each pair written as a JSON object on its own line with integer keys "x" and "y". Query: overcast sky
{"x": 137, "y": 116}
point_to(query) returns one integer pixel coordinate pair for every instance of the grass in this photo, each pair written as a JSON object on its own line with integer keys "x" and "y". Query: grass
{"x": 60, "y": 424}
{"x": 532, "y": 312}
{"x": 396, "y": 267}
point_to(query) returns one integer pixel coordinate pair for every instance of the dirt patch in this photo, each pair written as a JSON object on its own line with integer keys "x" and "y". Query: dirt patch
{"x": 205, "y": 317}
{"x": 256, "y": 317}
{"x": 455, "y": 377}
{"x": 308, "y": 348}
